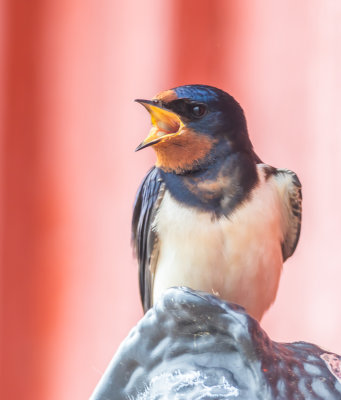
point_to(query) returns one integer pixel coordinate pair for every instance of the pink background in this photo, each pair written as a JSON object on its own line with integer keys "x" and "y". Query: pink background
{"x": 69, "y": 72}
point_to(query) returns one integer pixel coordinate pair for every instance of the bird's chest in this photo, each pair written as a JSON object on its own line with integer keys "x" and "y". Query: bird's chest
{"x": 237, "y": 257}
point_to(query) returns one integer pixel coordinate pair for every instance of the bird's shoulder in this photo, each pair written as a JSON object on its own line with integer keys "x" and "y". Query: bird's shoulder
{"x": 289, "y": 190}
{"x": 146, "y": 196}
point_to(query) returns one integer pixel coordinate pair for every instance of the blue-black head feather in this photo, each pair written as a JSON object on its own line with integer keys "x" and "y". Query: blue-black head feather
{"x": 213, "y": 112}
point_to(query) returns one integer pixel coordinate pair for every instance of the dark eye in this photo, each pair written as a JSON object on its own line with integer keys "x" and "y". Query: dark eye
{"x": 198, "y": 110}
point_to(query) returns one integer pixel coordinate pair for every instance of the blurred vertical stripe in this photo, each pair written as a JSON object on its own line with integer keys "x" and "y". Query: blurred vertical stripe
{"x": 27, "y": 315}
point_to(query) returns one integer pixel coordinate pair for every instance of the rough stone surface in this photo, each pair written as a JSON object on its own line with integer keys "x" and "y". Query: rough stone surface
{"x": 192, "y": 345}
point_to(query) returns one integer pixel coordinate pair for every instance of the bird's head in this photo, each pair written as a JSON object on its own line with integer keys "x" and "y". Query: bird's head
{"x": 194, "y": 125}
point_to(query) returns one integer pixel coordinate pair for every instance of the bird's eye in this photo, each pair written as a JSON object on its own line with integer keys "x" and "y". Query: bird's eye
{"x": 198, "y": 110}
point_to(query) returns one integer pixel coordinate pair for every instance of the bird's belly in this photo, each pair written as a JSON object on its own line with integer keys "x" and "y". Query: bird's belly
{"x": 238, "y": 258}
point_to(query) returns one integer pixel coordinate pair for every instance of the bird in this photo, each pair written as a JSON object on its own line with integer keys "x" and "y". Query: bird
{"x": 210, "y": 214}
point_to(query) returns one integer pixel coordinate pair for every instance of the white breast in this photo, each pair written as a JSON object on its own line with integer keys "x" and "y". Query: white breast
{"x": 238, "y": 258}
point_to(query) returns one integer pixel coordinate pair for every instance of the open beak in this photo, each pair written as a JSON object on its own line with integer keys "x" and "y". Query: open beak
{"x": 165, "y": 124}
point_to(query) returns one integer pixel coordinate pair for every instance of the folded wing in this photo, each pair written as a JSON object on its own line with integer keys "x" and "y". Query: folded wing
{"x": 144, "y": 238}
{"x": 289, "y": 188}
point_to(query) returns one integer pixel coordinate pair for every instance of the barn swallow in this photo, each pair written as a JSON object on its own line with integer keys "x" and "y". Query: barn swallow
{"x": 210, "y": 214}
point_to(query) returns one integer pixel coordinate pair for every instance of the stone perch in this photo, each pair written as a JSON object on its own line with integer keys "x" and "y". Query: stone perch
{"x": 192, "y": 345}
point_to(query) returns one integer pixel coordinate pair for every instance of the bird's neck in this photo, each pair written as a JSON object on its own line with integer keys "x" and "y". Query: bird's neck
{"x": 183, "y": 153}
{"x": 220, "y": 188}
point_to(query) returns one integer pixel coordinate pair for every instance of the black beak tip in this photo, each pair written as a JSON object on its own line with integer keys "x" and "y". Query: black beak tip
{"x": 139, "y": 147}
{"x": 145, "y": 102}
{"x": 142, "y": 101}
{"x": 144, "y": 145}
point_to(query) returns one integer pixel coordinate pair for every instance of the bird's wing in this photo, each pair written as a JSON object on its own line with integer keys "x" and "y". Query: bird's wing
{"x": 144, "y": 237}
{"x": 289, "y": 188}
{"x": 256, "y": 158}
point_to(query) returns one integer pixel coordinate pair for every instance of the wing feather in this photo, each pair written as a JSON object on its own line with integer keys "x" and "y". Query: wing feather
{"x": 291, "y": 194}
{"x": 144, "y": 238}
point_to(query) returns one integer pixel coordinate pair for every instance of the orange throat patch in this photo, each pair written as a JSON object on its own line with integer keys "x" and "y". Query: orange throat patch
{"x": 182, "y": 152}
